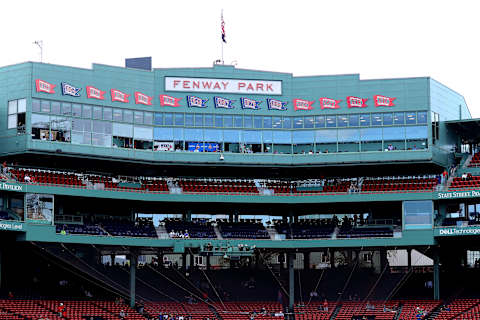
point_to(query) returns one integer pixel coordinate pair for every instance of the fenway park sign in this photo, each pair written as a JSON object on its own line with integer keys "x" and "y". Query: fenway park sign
{"x": 223, "y": 85}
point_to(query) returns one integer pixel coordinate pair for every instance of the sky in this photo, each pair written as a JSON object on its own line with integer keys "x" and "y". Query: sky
{"x": 376, "y": 39}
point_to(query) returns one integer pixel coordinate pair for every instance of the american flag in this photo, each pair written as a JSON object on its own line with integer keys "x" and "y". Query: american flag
{"x": 223, "y": 29}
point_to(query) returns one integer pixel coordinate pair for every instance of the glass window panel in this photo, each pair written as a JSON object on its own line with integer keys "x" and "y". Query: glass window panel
{"x": 267, "y": 122}
{"x": 416, "y": 132}
{"x": 163, "y": 134}
{"x": 22, "y": 105}
{"x": 267, "y": 136}
{"x": 232, "y": 136}
{"x": 99, "y": 139}
{"x": 178, "y": 134}
{"x": 193, "y": 134}
{"x": 309, "y": 122}
{"x": 331, "y": 121}
{"x": 168, "y": 119}
{"x": 353, "y": 120}
{"x": 87, "y": 112}
{"x": 411, "y": 118}
{"x": 209, "y": 120}
{"x": 12, "y": 121}
{"x": 421, "y": 116}
{"x": 122, "y": 130}
{"x": 107, "y": 113}
{"x": 349, "y": 135}
{"x": 147, "y": 117}
{"x": 371, "y": 134}
{"x": 364, "y": 120}
{"x": 189, "y": 120}
{"x": 238, "y": 121}
{"x": 76, "y": 110}
{"x": 282, "y": 137}
{"x": 218, "y": 121}
{"x": 77, "y": 137}
{"x": 287, "y": 122}
{"x": 12, "y": 106}
{"x": 87, "y": 138}
{"x": 277, "y": 122}
{"x": 298, "y": 122}
{"x": 138, "y": 117}
{"x": 257, "y": 121}
{"x": 303, "y": 136}
{"x": 98, "y": 126}
{"x": 248, "y": 121}
{"x": 40, "y": 121}
{"x": 342, "y": 121}
{"x": 326, "y": 136}
{"x": 97, "y": 113}
{"x": 319, "y": 121}
{"x": 252, "y": 136}
{"x": 179, "y": 119}
{"x": 66, "y": 109}
{"x": 35, "y": 105}
{"x": 158, "y": 119}
{"x": 376, "y": 119}
{"x": 399, "y": 118}
{"x": 387, "y": 119}
{"x": 128, "y": 116}
{"x": 143, "y": 133}
{"x": 45, "y": 106}
{"x": 213, "y": 135}
{"x": 60, "y": 123}
{"x": 198, "y": 120}
{"x": 394, "y": 133}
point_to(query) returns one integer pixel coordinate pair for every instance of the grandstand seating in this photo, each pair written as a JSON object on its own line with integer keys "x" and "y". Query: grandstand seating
{"x": 237, "y": 186}
{"x": 124, "y": 228}
{"x": 410, "y": 308}
{"x": 365, "y": 232}
{"x": 456, "y": 307}
{"x": 243, "y": 230}
{"x": 350, "y": 309}
{"x": 311, "y": 311}
{"x": 475, "y": 161}
{"x": 242, "y": 310}
{"x": 306, "y": 230}
{"x": 469, "y": 182}
{"x": 86, "y": 228}
{"x": 196, "y": 229}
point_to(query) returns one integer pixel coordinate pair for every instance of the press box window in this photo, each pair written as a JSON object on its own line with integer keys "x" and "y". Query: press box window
{"x": 16, "y": 114}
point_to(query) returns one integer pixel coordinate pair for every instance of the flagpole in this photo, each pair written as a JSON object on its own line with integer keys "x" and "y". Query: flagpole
{"x": 221, "y": 40}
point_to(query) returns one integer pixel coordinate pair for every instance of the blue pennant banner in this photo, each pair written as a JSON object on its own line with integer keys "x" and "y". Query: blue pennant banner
{"x": 223, "y": 103}
{"x": 196, "y": 102}
{"x": 250, "y": 103}
{"x": 69, "y": 90}
{"x": 274, "y": 104}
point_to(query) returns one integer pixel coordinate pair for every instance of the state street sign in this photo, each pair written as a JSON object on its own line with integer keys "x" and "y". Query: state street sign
{"x": 266, "y": 87}
{"x": 458, "y": 194}
{"x": 457, "y": 231}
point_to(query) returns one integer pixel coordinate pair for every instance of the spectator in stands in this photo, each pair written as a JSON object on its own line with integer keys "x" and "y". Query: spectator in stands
{"x": 369, "y": 306}
{"x": 4, "y": 167}
{"x": 122, "y": 314}
{"x": 61, "y": 310}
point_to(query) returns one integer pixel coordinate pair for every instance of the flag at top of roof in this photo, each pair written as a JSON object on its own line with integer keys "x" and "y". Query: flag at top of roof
{"x": 223, "y": 29}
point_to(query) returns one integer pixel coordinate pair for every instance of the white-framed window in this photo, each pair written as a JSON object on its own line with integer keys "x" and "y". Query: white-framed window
{"x": 16, "y": 114}
{"x": 199, "y": 261}
{"x": 367, "y": 257}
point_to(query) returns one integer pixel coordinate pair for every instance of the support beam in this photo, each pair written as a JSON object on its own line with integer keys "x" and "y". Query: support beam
{"x": 133, "y": 271}
{"x": 332, "y": 258}
{"x": 208, "y": 261}
{"x": 184, "y": 262}
{"x": 306, "y": 260}
{"x": 291, "y": 280}
{"x": 409, "y": 258}
{"x": 436, "y": 275}
{"x": 190, "y": 267}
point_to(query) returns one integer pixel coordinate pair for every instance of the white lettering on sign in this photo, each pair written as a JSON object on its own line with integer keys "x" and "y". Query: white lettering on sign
{"x": 458, "y": 194}
{"x": 270, "y": 87}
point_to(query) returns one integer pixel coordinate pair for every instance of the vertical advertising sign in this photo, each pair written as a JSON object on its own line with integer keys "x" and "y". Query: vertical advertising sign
{"x": 39, "y": 208}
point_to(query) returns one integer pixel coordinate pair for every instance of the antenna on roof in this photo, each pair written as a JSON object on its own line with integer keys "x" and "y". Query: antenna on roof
{"x": 39, "y": 43}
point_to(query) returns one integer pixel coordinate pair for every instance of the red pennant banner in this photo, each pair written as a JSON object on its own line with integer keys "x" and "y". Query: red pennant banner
{"x": 141, "y": 98}
{"x": 382, "y": 101}
{"x": 95, "y": 93}
{"x": 356, "y": 102}
{"x": 300, "y": 104}
{"x": 119, "y": 96}
{"x": 327, "y": 103}
{"x": 44, "y": 86}
{"x": 169, "y": 101}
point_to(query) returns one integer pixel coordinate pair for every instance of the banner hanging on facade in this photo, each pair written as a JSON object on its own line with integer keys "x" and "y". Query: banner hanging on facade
{"x": 356, "y": 102}
{"x": 223, "y": 103}
{"x": 44, "y": 86}
{"x": 250, "y": 103}
{"x": 119, "y": 96}
{"x": 69, "y": 90}
{"x": 95, "y": 93}
{"x": 169, "y": 101}
{"x": 327, "y": 103}
{"x": 300, "y": 104}
{"x": 382, "y": 101}
{"x": 274, "y": 104}
{"x": 141, "y": 98}
{"x": 196, "y": 102}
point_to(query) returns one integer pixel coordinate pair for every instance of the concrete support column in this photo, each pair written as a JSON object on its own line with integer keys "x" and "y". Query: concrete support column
{"x": 133, "y": 270}
{"x": 184, "y": 262}
{"x": 306, "y": 260}
{"x": 409, "y": 258}
{"x": 112, "y": 258}
{"x": 291, "y": 280}
{"x": 436, "y": 275}
{"x": 191, "y": 262}
{"x": 208, "y": 261}
{"x": 332, "y": 258}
